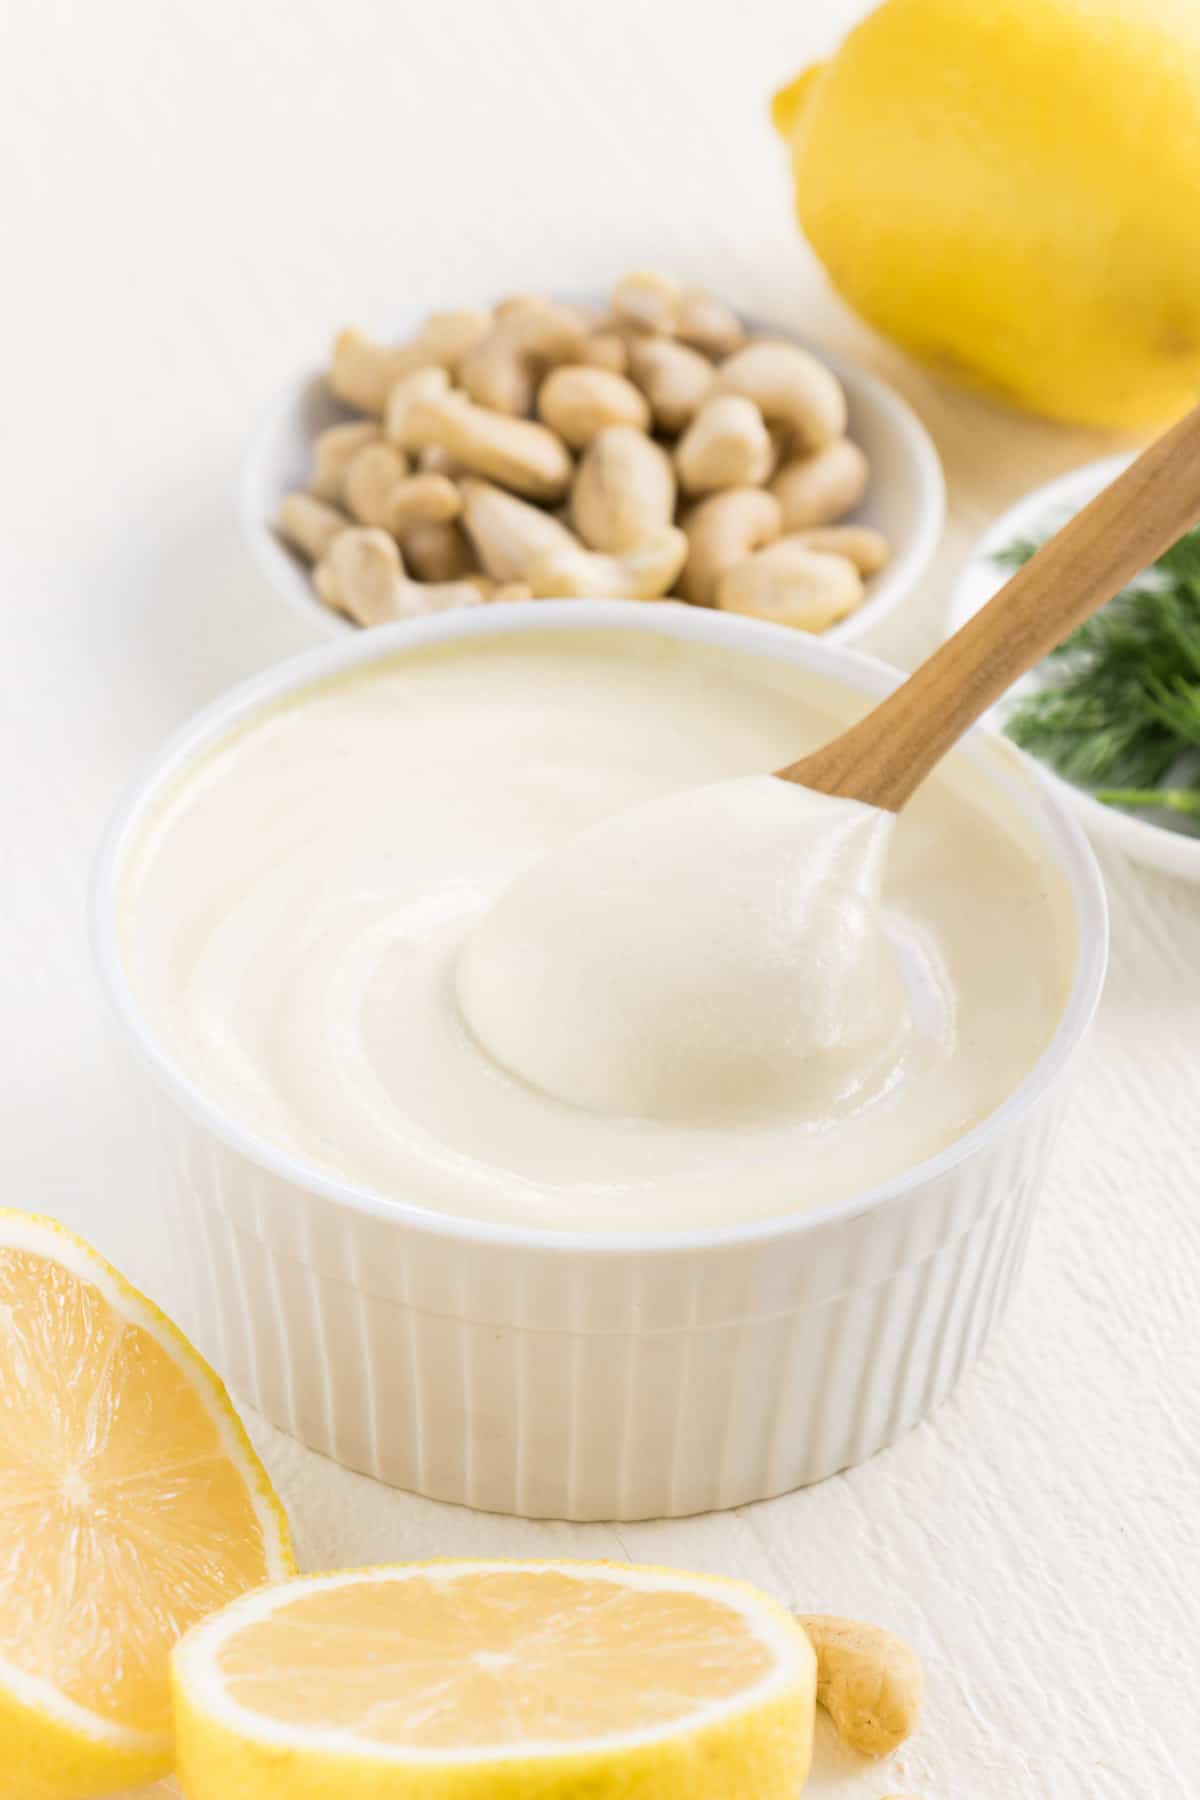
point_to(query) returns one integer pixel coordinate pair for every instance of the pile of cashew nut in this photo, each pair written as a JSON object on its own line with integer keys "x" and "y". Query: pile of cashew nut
{"x": 653, "y": 451}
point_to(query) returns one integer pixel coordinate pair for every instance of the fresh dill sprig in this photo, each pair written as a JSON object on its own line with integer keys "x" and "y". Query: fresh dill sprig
{"x": 1180, "y": 800}
{"x": 1121, "y": 711}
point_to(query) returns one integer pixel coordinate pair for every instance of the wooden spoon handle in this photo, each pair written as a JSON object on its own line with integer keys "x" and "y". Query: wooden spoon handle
{"x": 888, "y": 754}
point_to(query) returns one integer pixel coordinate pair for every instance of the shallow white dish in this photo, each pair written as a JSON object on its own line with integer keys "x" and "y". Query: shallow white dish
{"x": 1035, "y": 516}
{"x": 906, "y": 499}
{"x": 593, "y": 1375}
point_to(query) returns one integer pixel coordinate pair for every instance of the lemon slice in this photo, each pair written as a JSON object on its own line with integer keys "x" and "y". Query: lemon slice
{"x": 460, "y": 1680}
{"x": 131, "y": 1505}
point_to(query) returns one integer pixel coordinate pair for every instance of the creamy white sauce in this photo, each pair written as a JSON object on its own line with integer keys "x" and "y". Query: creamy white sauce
{"x": 716, "y": 954}
{"x": 296, "y": 917}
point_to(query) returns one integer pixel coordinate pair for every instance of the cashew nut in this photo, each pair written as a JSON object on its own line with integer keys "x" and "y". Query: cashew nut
{"x": 309, "y": 525}
{"x": 674, "y": 378}
{"x": 868, "y": 1681}
{"x": 380, "y": 491}
{"x": 332, "y": 451}
{"x": 530, "y": 336}
{"x": 362, "y": 574}
{"x": 578, "y": 402}
{"x": 708, "y": 323}
{"x": 723, "y": 530}
{"x": 866, "y": 548}
{"x": 791, "y": 585}
{"x": 363, "y": 371}
{"x": 605, "y": 350}
{"x": 790, "y": 387}
{"x": 369, "y": 483}
{"x": 438, "y": 552}
{"x": 446, "y": 337}
{"x": 473, "y": 590}
{"x": 624, "y": 490}
{"x": 519, "y": 453}
{"x": 815, "y": 489}
{"x": 419, "y": 384}
{"x": 726, "y": 445}
{"x": 509, "y": 534}
{"x": 646, "y": 300}
{"x": 432, "y": 461}
{"x": 424, "y": 500}
{"x": 645, "y": 573}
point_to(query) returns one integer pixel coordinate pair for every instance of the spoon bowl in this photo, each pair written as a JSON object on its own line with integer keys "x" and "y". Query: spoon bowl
{"x": 727, "y": 947}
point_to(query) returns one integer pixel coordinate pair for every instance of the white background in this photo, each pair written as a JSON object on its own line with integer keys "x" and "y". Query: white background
{"x": 192, "y": 197}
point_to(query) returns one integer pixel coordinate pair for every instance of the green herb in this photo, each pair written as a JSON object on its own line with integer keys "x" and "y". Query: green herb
{"x": 1182, "y": 800}
{"x": 1121, "y": 711}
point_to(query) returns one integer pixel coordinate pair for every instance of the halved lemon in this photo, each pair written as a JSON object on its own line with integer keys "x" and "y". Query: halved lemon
{"x": 459, "y": 1680}
{"x": 131, "y": 1505}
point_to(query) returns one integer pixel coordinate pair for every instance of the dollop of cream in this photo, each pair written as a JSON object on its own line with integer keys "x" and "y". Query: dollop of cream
{"x": 719, "y": 953}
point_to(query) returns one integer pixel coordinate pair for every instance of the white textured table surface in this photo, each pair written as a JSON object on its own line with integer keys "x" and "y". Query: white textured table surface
{"x": 193, "y": 196}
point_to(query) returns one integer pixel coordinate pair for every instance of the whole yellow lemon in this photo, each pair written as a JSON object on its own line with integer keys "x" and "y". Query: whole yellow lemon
{"x": 1011, "y": 190}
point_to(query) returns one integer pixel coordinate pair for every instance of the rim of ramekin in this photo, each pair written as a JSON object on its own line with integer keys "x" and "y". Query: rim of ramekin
{"x": 868, "y": 674}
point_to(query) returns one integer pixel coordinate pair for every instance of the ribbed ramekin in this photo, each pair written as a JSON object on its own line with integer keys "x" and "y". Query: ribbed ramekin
{"x": 593, "y": 1376}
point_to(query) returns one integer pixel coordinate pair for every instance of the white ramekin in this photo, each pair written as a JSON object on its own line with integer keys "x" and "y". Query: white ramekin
{"x": 586, "y": 1376}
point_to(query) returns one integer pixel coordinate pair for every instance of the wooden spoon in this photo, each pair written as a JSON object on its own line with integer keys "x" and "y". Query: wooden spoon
{"x": 885, "y": 756}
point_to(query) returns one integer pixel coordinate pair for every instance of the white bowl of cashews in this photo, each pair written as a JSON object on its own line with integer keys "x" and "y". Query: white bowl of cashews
{"x": 655, "y": 446}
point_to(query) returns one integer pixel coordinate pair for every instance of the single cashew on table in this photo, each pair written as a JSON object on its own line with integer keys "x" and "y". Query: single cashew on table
{"x": 647, "y": 450}
{"x": 868, "y": 1681}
